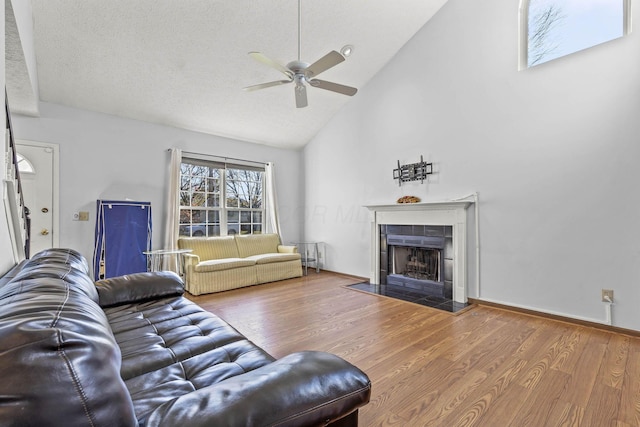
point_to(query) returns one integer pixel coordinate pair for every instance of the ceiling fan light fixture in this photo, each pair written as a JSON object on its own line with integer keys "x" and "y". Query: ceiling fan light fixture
{"x": 347, "y": 50}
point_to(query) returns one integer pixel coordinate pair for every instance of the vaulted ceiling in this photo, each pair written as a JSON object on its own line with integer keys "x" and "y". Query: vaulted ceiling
{"x": 184, "y": 63}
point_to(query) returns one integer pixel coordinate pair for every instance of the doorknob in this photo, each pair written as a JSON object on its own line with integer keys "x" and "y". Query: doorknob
{"x": 44, "y": 232}
{"x": 44, "y": 210}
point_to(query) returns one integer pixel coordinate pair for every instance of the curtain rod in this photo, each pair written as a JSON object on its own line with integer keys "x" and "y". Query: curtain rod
{"x": 223, "y": 158}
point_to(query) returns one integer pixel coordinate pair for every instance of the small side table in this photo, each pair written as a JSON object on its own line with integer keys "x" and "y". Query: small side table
{"x": 309, "y": 251}
{"x": 155, "y": 259}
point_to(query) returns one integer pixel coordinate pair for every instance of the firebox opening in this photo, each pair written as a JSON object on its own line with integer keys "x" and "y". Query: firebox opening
{"x": 416, "y": 263}
{"x": 417, "y": 258}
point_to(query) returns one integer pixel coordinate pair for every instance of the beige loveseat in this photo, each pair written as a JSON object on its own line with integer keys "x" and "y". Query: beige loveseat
{"x": 221, "y": 263}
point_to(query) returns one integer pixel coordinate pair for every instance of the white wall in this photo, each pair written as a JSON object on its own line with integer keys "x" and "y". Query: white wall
{"x": 6, "y": 252}
{"x": 552, "y": 152}
{"x": 106, "y": 157}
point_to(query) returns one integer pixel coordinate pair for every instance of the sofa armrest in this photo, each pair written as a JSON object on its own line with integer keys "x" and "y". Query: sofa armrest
{"x": 305, "y": 388}
{"x": 283, "y": 249}
{"x": 138, "y": 287}
{"x": 190, "y": 260}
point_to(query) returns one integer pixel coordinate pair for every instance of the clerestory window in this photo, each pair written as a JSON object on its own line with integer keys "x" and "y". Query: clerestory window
{"x": 550, "y": 29}
{"x": 219, "y": 199}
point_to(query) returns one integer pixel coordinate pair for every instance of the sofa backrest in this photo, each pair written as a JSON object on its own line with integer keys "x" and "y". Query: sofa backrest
{"x": 208, "y": 248}
{"x": 59, "y": 361}
{"x": 256, "y": 244}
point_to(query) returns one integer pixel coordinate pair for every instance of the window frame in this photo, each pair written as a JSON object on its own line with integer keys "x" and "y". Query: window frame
{"x": 523, "y": 33}
{"x": 223, "y": 209}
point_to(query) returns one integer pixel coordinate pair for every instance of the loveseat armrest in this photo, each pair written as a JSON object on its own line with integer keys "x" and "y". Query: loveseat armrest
{"x": 302, "y": 389}
{"x": 190, "y": 260}
{"x": 285, "y": 249}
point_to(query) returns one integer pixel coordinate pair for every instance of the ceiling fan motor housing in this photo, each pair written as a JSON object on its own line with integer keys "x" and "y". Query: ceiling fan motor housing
{"x": 298, "y": 66}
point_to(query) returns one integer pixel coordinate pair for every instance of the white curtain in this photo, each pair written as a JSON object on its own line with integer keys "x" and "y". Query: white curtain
{"x": 173, "y": 209}
{"x": 272, "y": 220}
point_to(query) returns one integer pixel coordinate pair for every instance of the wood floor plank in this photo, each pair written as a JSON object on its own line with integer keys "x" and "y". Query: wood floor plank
{"x": 629, "y": 413}
{"x": 615, "y": 361}
{"x": 603, "y": 406}
{"x": 567, "y": 415}
{"x": 483, "y": 367}
{"x": 432, "y": 411}
{"x": 585, "y": 370}
{"x": 497, "y": 397}
{"x": 539, "y": 407}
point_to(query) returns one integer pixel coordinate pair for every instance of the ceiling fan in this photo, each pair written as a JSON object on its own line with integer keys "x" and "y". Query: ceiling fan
{"x": 303, "y": 74}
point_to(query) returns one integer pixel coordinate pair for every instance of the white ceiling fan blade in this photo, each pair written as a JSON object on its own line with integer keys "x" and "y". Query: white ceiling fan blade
{"x": 334, "y": 87}
{"x": 331, "y": 59}
{"x": 301, "y": 96}
{"x": 271, "y": 63}
{"x": 266, "y": 85}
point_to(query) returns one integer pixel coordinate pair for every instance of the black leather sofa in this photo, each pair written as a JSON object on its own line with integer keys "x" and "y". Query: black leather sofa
{"x": 132, "y": 351}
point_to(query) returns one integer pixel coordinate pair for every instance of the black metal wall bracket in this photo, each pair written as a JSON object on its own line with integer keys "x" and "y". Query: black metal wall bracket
{"x": 413, "y": 171}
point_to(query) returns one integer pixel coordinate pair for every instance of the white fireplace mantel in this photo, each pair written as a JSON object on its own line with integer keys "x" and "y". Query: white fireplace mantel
{"x": 450, "y": 212}
{"x": 437, "y": 205}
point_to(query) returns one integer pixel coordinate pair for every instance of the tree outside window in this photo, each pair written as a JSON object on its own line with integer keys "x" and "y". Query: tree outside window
{"x": 557, "y": 28}
{"x": 202, "y": 188}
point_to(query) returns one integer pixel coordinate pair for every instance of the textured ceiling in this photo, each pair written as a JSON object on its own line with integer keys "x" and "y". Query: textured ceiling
{"x": 183, "y": 63}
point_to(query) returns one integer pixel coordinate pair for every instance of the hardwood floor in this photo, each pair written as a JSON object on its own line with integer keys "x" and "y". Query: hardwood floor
{"x": 483, "y": 367}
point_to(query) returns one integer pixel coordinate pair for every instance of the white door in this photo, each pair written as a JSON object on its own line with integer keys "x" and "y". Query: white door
{"x": 38, "y": 173}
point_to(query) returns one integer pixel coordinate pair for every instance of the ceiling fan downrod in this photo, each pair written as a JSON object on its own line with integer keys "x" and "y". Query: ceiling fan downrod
{"x": 299, "y": 29}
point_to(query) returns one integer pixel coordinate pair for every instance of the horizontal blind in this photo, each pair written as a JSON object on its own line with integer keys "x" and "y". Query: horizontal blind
{"x": 221, "y": 162}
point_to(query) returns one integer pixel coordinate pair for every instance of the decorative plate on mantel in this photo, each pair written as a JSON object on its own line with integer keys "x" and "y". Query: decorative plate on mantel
{"x": 408, "y": 199}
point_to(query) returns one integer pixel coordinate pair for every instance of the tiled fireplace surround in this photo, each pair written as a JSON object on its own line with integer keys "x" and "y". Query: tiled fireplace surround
{"x": 448, "y": 218}
{"x": 442, "y": 287}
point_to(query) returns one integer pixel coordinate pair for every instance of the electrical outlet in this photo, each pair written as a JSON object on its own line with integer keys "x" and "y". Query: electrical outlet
{"x": 607, "y": 293}
{"x": 83, "y": 216}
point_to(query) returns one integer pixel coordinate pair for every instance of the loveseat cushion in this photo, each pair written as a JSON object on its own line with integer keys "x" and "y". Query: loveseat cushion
{"x": 138, "y": 287}
{"x": 254, "y": 244}
{"x": 210, "y": 247}
{"x": 270, "y": 257}
{"x": 223, "y": 264}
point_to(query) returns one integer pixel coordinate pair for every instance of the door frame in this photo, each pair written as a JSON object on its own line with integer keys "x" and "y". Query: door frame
{"x": 55, "y": 218}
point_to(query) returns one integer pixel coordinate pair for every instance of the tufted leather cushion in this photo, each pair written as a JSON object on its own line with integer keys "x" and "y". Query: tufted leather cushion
{"x": 138, "y": 287}
{"x": 58, "y": 361}
{"x": 69, "y": 257}
{"x": 308, "y": 388}
{"x": 171, "y": 346}
{"x": 9, "y": 275}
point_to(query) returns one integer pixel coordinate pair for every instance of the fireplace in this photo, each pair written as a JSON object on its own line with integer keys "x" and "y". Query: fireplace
{"x": 432, "y": 256}
{"x": 417, "y": 257}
